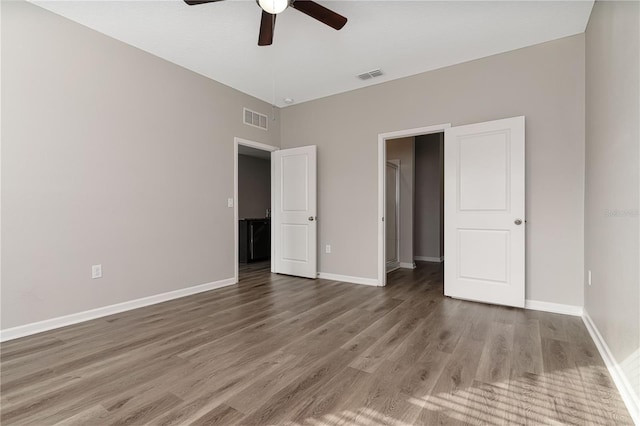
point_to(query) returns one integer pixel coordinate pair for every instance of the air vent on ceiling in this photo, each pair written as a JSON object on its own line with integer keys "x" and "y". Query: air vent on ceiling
{"x": 370, "y": 74}
{"x": 255, "y": 119}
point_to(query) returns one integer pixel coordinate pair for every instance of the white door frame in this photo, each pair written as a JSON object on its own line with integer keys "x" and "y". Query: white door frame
{"x": 257, "y": 145}
{"x": 382, "y": 163}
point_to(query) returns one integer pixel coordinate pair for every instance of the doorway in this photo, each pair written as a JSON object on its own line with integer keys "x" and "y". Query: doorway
{"x": 252, "y": 203}
{"x": 428, "y": 206}
{"x": 406, "y": 250}
{"x": 484, "y": 209}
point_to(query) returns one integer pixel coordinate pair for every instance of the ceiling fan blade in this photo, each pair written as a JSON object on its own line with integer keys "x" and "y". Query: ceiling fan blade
{"x": 267, "y": 25}
{"x": 195, "y": 2}
{"x": 321, "y": 13}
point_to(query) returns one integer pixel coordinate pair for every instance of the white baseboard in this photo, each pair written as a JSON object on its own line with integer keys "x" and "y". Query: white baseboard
{"x": 407, "y": 265}
{"x": 631, "y": 400}
{"x": 556, "y": 308}
{"x": 348, "y": 279}
{"x": 429, "y": 259}
{"x": 50, "y": 324}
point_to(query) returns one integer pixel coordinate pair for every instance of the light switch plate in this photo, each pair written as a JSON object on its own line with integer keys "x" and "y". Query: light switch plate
{"x": 96, "y": 271}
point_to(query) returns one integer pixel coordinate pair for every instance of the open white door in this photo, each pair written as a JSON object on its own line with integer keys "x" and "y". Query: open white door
{"x": 484, "y": 222}
{"x": 294, "y": 211}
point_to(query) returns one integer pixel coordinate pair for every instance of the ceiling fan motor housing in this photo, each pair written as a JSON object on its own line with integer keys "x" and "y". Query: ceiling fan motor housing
{"x": 270, "y": 8}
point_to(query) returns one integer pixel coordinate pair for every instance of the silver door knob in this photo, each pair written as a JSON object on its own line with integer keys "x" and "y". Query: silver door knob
{"x": 311, "y": 218}
{"x": 518, "y": 221}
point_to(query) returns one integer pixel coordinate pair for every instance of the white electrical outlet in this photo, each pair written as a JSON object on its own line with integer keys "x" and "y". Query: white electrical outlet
{"x": 327, "y": 248}
{"x": 230, "y": 202}
{"x": 589, "y": 277}
{"x": 96, "y": 271}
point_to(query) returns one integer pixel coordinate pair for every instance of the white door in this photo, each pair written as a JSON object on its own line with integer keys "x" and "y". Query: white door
{"x": 484, "y": 222}
{"x": 294, "y": 220}
{"x": 392, "y": 215}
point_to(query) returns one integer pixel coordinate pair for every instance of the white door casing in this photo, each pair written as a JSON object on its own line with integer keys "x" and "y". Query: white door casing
{"x": 484, "y": 223}
{"x": 294, "y": 215}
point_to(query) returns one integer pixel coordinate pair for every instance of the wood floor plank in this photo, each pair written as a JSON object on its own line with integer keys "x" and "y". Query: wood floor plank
{"x": 374, "y": 356}
{"x": 257, "y": 395}
{"x": 95, "y": 414}
{"x": 145, "y": 413}
{"x": 221, "y": 415}
{"x": 562, "y": 378}
{"x": 329, "y": 396}
{"x": 419, "y": 381}
{"x": 552, "y": 327}
{"x": 527, "y": 348}
{"x": 533, "y": 399}
{"x": 289, "y": 399}
{"x": 495, "y": 361}
{"x": 283, "y": 350}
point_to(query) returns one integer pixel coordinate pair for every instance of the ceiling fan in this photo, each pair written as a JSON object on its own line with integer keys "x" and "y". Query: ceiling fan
{"x": 270, "y": 8}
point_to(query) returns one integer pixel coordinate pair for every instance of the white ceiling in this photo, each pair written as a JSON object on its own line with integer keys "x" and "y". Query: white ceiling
{"x": 309, "y": 60}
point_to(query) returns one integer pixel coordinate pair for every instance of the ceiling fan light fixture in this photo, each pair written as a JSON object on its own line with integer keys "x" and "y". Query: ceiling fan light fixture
{"x": 270, "y": 8}
{"x": 273, "y": 6}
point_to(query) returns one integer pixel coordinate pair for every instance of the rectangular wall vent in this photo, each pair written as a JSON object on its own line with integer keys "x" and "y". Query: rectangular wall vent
{"x": 255, "y": 119}
{"x": 370, "y": 74}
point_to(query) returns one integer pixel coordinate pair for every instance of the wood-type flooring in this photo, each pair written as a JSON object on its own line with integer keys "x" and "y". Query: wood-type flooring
{"x": 281, "y": 350}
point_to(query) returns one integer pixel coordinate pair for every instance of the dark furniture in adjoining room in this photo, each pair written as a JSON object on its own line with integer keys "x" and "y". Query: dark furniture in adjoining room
{"x": 255, "y": 239}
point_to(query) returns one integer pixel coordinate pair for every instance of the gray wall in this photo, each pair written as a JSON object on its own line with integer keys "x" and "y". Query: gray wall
{"x": 114, "y": 156}
{"x": 545, "y": 83}
{"x": 612, "y": 188}
{"x": 402, "y": 149}
{"x": 254, "y": 186}
{"x": 428, "y": 196}
{"x": 109, "y": 156}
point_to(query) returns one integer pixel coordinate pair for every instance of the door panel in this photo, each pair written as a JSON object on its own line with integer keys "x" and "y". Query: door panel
{"x": 295, "y": 240}
{"x": 484, "y": 172}
{"x": 483, "y": 255}
{"x": 484, "y": 202}
{"x": 295, "y": 190}
{"x": 294, "y": 211}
